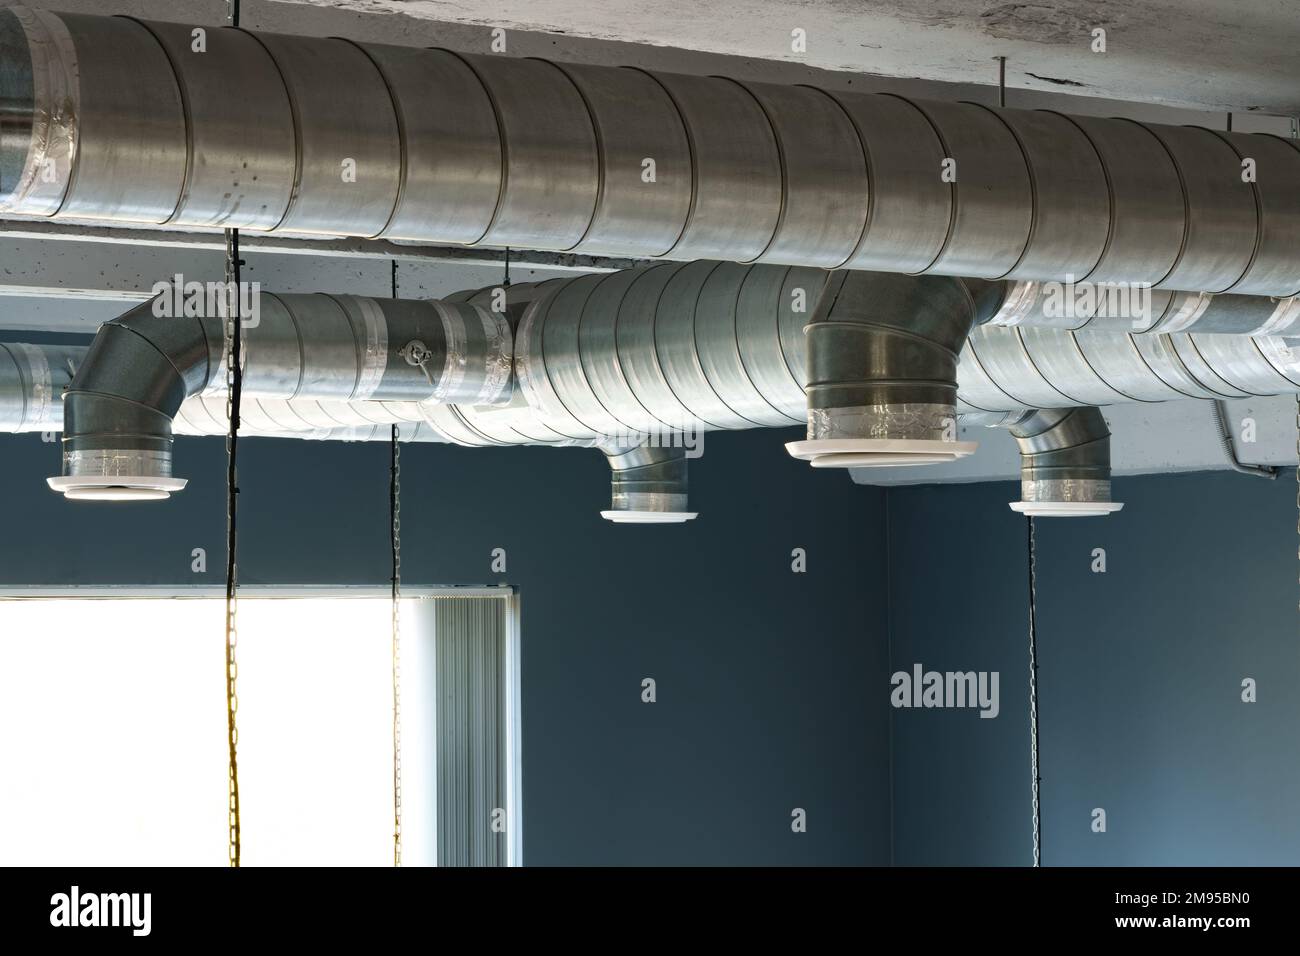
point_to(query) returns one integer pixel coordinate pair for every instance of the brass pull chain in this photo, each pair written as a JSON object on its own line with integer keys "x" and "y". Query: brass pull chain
{"x": 234, "y": 381}
{"x": 232, "y": 326}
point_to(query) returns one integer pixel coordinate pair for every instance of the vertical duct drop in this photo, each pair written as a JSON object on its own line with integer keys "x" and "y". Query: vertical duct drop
{"x": 647, "y": 485}
{"x": 1064, "y": 463}
{"x": 882, "y": 370}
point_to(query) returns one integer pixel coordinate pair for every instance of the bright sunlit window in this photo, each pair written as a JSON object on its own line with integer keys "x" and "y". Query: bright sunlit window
{"x": 113, "y": 732}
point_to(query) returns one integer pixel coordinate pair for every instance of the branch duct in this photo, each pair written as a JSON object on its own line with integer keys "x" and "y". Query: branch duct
{"x": 647, "y": 485}
{"x": 882, "y": 370}
{"x": 141, "y": 367}
{"x": 314, "y": 135}
{"x": 32, "y": 380}
{"x": 1064, "y": 463}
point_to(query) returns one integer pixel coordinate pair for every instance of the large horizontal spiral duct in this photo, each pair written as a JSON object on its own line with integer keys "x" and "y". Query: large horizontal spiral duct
{"x": 312, "y": 135}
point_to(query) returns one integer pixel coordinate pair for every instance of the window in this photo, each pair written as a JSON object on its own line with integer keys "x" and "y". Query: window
{"x": 112, "y": 705}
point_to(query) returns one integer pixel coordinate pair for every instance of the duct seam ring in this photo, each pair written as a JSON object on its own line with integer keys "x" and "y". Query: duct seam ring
{"x": 453, "y": 369}
{"x": 41, "y": 387}
{"x": 375, "y": 359}
{"x": 498, "y": 354}
{"x": 47, "y": 172}
{"x": 523, "y": 351}
{"x": 1284, "y": 316}
{"x": 1020, "y": 301}
{"x": 1191, "y": 308}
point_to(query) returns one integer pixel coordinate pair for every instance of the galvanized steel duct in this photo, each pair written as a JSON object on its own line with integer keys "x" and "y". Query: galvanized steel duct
{"x": 1123, "y": 307}
{"x": 1139, "y": 368}
{"x": 118, "y": 408}
{"x": 308, "y": 135}
{"x": 882, "y": 368}
{"x": 1064, "y": 462}
{"x": 667, "y": 349}
{"x": 1004, "y": 369}
{"x": 711, "y": 345}
{"x": 648, "y": 484}
{"x": 670, "y": 350}
{"x": 32, "y": 380}
{"x": 644, "y": 352}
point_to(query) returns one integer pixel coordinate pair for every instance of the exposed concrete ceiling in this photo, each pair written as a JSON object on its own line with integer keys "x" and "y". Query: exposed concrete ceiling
{"x": 1218, "y": 54}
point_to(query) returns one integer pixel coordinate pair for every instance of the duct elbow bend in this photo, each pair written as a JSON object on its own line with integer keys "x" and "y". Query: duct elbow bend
{"x": 647, "y": 484}
{"x": 882, "y": 370}
{"x": 1064, "y": 463}
{"x": 118, "y": 409}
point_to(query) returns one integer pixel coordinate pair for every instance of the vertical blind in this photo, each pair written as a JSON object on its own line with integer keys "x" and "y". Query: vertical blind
{"x": 472, "y": 690}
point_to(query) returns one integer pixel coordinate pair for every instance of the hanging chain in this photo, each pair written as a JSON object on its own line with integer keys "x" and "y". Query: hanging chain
{"x": 1033, "y": 687}
{"x": 234, "y": 381}
{"x": 395, "y": 514}
{"x": 395, "y": 538}
{"x": 232, "y": 355}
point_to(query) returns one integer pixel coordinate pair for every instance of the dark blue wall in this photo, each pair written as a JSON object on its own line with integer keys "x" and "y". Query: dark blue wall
{"x": 772, "y": 686}
{"x": 765, "y": 677}
{"x": 1139, "y": 678}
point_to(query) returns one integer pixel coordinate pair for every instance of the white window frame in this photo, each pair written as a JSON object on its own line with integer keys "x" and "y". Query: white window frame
{"x": 512, "y": 717}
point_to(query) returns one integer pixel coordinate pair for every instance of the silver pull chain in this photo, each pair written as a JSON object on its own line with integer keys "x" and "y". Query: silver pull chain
{"x": 395, "y": 537}
{"x": 395, "y": 527}
{"x": 1033, "y": 688}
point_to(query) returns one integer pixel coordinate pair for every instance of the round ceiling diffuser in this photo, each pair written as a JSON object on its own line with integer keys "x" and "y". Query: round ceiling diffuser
{"x": 648, "y": 517}
{"x": 115, "y": 488}
{"x": 878, "y": 452}
{"x": 1066, "y": 509}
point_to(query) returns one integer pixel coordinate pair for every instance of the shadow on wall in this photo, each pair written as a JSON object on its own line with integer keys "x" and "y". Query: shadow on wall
{"x": 1141, "y": 670}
